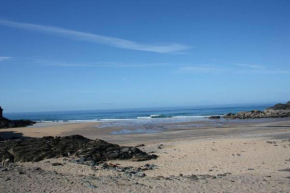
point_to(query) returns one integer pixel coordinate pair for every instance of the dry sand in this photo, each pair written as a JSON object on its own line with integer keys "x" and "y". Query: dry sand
{"x": 240, "y": 158}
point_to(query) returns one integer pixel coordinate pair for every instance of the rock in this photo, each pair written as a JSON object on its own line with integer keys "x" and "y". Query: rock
{"x": 92, "y": 186}
{"x": 6, "y": 123}
{"x": 140, "y": 157}
{"x": 277, "y": 111}
{"x": 3, "y": 169}
{"x": 37, "y": 149}
{"x": 214, "y": 117}
{"x": 140, "y": 145}
{"x": 193, "y": 177}
{"x": 148, "y": 167}
{"x": 140, "y": 174}
{"x": 82, "y": 159}
{"x": 160, "y": 146}
{"x": 36, "y": 168}
{"x": 280, "y": 106}
{"x": 224, "y": 174}
{"x": 112, "y": 165}
{"x": 56, "y": 164}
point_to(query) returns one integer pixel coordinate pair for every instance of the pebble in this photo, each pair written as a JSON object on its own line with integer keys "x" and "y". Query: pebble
{"x": 36, "y": 168}
{"x": 7, "y": 179}
{"x": 140, "y": 174}
{"x": 160, "y": 146}
{"x": 92, "y": 186}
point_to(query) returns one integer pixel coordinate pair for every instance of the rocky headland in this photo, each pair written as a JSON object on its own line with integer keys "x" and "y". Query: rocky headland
{"x": 277, "y": 111}
{"x": 6, "y": 123}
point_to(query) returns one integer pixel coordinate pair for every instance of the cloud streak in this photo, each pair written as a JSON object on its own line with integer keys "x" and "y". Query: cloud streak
{"x": 253, "y": 66}
{"x": 40, "y": 62}
{"x": 200, "y": 69}
{"x": 4, "y": 58}
{"x": 94, "y": 38}
{"x": 215, "y": 70}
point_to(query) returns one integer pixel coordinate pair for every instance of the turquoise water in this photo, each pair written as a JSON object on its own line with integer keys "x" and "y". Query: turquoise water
{"x": 133, "y": 114}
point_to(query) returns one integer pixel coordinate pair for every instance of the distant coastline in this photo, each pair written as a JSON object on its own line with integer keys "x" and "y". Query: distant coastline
{"x": 125, "y": 114}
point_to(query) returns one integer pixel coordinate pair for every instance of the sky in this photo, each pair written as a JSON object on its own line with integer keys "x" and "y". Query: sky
{"x": 82, "y": 55}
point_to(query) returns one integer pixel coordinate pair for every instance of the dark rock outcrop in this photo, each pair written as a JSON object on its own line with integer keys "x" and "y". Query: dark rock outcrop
{"x": 6, "y": 123}
{"x": 277, "y": 111}
{"x": 214, "y": 117}
{"x": 37, "y": 149}
{"x": 280, "y": 106}
{"x": 1, "y": 112}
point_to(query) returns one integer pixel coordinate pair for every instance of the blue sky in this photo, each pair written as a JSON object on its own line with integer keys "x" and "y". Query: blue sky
{"x": 77, "y": 55}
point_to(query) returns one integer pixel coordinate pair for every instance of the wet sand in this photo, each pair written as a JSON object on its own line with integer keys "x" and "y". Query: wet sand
{"x": 95, "y": 130}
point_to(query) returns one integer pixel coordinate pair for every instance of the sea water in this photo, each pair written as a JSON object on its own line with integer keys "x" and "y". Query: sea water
{"x": 153, "y": 114}
{"x": 139, "y": 121}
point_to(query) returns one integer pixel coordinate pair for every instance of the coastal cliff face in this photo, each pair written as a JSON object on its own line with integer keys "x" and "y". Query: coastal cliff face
{"x": 6, "y": 123}
{"x": 277, "y": 111}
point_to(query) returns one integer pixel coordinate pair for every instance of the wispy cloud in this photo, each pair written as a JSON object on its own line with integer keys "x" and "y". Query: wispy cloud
{"x": 4, "y": 58}
{"x": 97, "y": 64}
{"x": 200, "y": 69}
{"x": 254, "y": 66}
{"x": 274, "y": 71}
{"x": 215, "y": 69}
{"x": 94, "y": 38}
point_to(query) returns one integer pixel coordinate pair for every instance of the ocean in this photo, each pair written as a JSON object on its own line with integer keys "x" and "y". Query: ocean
{"x": 173, "y": 113}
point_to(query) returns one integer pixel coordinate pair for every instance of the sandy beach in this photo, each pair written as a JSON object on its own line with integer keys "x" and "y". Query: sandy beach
{"x": 236, "y": 158}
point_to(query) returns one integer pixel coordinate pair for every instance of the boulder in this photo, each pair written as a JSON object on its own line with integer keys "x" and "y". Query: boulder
{"x": 37, "y": 149}
{"x": 214, "y": 117}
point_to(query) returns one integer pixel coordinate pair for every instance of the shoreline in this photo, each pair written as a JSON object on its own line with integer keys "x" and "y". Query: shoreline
{"x": 180, "y": 130}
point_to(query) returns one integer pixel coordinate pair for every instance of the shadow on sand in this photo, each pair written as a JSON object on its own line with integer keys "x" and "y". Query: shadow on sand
{"x": 11, "y": 134}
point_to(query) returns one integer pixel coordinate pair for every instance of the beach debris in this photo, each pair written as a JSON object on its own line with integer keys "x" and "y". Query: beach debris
{"x": 160, "y": 146}
{"x": 88, "y": 151}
